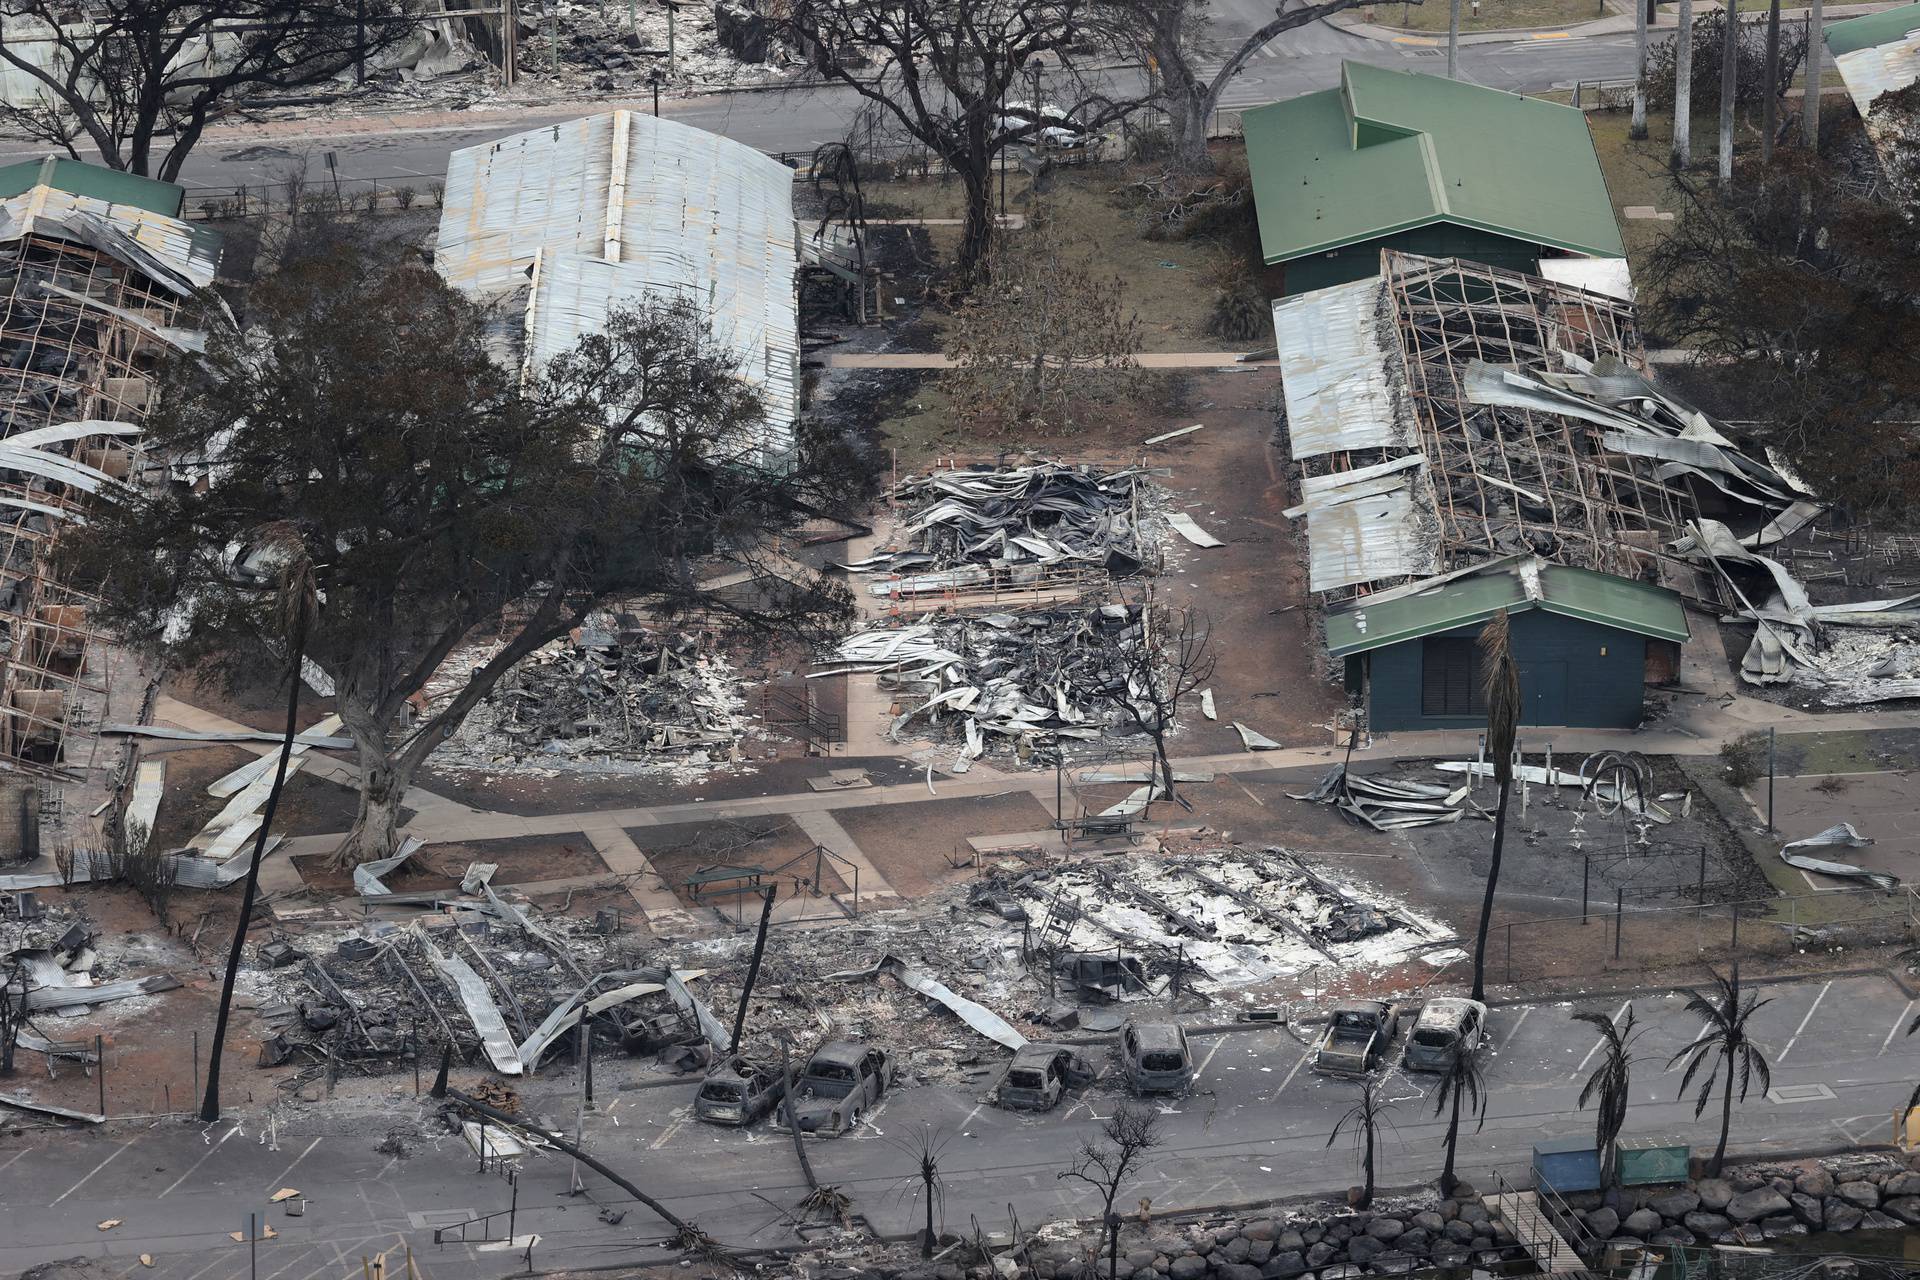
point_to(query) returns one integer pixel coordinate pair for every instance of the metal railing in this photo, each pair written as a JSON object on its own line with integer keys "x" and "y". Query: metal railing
{"x": 1603, "y": 95}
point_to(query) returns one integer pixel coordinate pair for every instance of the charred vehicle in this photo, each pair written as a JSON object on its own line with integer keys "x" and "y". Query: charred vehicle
{"x": 738, "y": 1092}
{"x": 1448, "y": 1026}
{"x": 1357, "y": 1038}
{"x": 1039, "y": 1075}
{"x": 841, "y": 1083}
{"x": 1154, "y": 1057}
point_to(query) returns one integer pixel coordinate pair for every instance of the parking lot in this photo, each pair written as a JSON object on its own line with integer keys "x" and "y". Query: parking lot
{"x": 1254, "y": 1128}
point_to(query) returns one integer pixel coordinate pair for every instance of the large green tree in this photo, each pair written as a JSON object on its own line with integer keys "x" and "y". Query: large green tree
{"x": 437, "y": 493}
{"x": 1796, "y": 289}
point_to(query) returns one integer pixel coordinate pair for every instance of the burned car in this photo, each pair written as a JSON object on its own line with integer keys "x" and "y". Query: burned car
{"x": 1448, "y": 1026}
{"x": 1155, "y": 1057}
{"x": 1039, "y": 1075}
{"x": 1357, "y": 1037}
{"x": 738, "y": 1092}
{"x": 841, "y": 1083}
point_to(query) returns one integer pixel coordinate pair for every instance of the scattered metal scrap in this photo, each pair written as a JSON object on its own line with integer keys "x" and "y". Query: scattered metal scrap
{"x": 1386, "y": 804}
{"x": 1840, "y": 836}
{"x": 1025, "y": 526}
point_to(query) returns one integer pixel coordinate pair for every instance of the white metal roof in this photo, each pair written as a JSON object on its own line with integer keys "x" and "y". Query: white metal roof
{"x": 1878, "y": 69}
{"x": 1334, "y": 371}
{"x": 623, "y": 206}
{"x": 1608, "y": 276}
{"x": 170, "y": 252}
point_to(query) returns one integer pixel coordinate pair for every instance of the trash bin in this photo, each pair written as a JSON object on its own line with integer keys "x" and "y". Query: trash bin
{"x": 1638, "y": 1162}
{"x": 1567, "y": 1164}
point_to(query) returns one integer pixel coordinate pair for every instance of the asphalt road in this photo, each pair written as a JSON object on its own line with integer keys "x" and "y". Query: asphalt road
{"x": 1254, "y": 1130}
{"x": 797, "y": 121}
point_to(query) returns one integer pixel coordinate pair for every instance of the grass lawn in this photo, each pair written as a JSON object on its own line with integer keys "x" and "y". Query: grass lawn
{"x": 1494, "y": 15}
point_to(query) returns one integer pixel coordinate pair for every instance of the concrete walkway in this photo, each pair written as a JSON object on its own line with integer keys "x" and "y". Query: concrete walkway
{"x": 1145, "y": 359}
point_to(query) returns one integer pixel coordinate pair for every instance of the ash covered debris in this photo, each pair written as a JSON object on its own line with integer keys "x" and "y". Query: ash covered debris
{"x": 615, "y": 692}
{"x": 972, "y": 528}
{"x": 1019, "y": 680}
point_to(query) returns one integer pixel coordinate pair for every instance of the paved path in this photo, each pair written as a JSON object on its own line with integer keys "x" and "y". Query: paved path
{"x": 1145, "y": 359}
{"x": 1613, "y": 24}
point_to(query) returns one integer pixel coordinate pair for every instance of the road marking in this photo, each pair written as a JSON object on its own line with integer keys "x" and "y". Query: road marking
{"x": 1514, "y": 1030}
{"x": 210, "y": 1266}
{"x": 97, "y": 1168}
{"x": 1243, "y": 786}
{"x": 1691, "y": 1041}
{"x": 970, "y": 1115}
{"x": 197, "y": 1163}
{"x": 281, "y": 1181}
{"x": 674, "y": 1126}
{"x": 22, "y": 1151}
{"x": 1202, "y": 1068}
{"x": 1291, "y": 1074}
{"x": 1891, "y": 1031}
{"x": 1421, "y": 40}
{"x": 1804, "y": 1021}
{"x": 1598, "y": 1040}
{"x": 1550, "y": 35}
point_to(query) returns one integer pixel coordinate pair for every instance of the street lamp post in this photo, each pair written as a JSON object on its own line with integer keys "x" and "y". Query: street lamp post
{"x": 653, "y": 82}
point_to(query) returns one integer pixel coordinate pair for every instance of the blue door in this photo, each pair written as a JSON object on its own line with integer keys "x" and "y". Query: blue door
{"x": 1543, "y": 693}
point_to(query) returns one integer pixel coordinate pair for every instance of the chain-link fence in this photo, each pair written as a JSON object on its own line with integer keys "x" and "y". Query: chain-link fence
{"x": 1615, "y": 934}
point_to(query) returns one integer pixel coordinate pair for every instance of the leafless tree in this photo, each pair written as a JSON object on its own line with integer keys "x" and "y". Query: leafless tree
{"x": 1168, "y": 657}
{"x": 1106, "y": 1163}
{"x": 1171, "y": 36}
{"x": 121, "y": 75}
{"x": 13, "y": 1012}
{"x": 1502, "y": 680}
{"x": 1363, "y": 1119}
{"x": 945, "y": 70}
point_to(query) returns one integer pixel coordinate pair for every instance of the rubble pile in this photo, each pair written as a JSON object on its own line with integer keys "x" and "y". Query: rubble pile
{"x": 614, "y": 692}
{"x": 1015, "y": 680}
{"x": 974, "y": 528}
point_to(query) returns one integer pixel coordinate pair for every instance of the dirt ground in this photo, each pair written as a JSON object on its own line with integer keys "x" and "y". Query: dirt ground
{"x": 915, "y": 845}
{"x": 308, "y": 805}
{"x": 680, "y": 849}
{"x": 521, "y": 859}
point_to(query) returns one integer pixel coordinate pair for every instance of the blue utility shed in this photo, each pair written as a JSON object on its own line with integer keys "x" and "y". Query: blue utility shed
{"x": 1586, "y": 643}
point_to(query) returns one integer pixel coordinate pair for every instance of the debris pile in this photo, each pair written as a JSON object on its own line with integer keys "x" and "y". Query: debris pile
{"x": 1028, "y": 679}
{"x": 1606, "y": 781}
{"x": 979, "y": 528}
{"x": 614, "y": 692}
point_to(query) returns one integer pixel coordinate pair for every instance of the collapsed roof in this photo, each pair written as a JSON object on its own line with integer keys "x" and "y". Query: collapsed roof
{"x": 617, "y": 209}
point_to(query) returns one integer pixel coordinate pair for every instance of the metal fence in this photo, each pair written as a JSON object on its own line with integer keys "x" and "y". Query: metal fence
{"x": 1617, "y": 935}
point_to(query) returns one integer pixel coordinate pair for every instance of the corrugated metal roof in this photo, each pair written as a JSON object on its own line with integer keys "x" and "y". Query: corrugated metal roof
{"x": 172, "y": 253}
{"x": 1334, "y": 371}
{"x": 634, "y": 206}
{"x": 1606, "y": 276}
{"x": 1391, "y": 150}
{"x": 1516, "y": 584}
{"x": 1362, "y": 527}
{"x": 1879, "y": 69}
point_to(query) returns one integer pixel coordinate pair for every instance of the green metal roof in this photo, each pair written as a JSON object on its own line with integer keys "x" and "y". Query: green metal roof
{"x": 1389, "y": 151}
{"x": 1516, "y": 584}
{"x": 1873, "y": 29}
{"x": 110, "y": 185}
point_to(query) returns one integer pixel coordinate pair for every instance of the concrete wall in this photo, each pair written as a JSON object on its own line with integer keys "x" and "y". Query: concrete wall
{"x": 1572, "y": 673}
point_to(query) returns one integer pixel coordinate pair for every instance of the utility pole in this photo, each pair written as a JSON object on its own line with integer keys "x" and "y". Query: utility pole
{"x": 1453, "y": 38}
{"x": 1638, "y": 127}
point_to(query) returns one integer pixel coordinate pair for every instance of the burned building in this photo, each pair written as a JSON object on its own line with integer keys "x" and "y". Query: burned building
{"x": 97, "y": 268}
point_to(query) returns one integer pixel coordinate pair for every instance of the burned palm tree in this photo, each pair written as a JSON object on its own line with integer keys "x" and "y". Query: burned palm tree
{"x": 1723, "y": 1045}
{"x": 297, "y": 601}
{"x": 1463, "y": 1081}
{"x": 1609, "y": 1087}
{"x": 924, "y": 1148}
{"x": 1502, "y": 684}
{"x": 1363, "y": 1120}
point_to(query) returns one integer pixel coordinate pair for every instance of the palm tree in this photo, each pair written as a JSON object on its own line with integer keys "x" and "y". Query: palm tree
{"x": 1453, "y": 36}
{"x": 1724, "y": 1042}
{"x": 1611, "y": 1081}
{"x": 1638, "y": 129}
{"x": 1683, "y": 89}
{"x": 1770, "y": 83}
{"x": 1729, "y": 86}
{"x": 1364, "y": 1118}
{"x": 1463, "y": 1078}
{"x": 297, "y": 600}
{"x": 1503, "y": 718}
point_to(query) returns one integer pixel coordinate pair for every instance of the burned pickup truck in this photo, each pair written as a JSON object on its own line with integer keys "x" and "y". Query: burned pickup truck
{"x": 842, "y": 1082}
{"x": 1357, "y": 1038}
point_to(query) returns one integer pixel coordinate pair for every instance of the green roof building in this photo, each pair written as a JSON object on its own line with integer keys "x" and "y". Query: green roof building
{"x": 1876, "y": 54}
{"x": 1423, "y": 164}
{"x": 1587, "y": 645}
{"x": 94, "y": 181}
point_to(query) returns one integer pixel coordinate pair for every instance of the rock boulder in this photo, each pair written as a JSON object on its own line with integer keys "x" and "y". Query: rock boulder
{"x": 1749, "y": 1206}
{"x": 1862, "y": 1193}
{"x": 1715, "y": 1193}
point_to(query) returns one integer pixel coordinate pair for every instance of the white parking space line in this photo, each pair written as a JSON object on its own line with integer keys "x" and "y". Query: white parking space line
{"x": 117, "y": 1153}
{"x": 1892, "y": 1031}
{"x": 1201, "y": 1070}
{"x": 197, "y": 1163}
{"x": 1514, "y": 1030}
{"x": 970, "y": 1115}
{"x": 1804, "y": 1021}
{"x": 22, "y": 1151}
{"x": 1598, "y": 1040}
{"x": 281, "y": 1181}
{"x": 224, "y": 1258}
{"x": 1308, "y": 1053}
